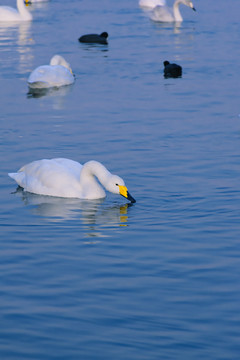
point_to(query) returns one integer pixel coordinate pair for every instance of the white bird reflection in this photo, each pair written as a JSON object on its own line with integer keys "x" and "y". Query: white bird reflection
{"x": 175, "y": 26}
{"x": 57, "y": 94}
{"x": 94, "y": 214}
{"x": 19, "y": 34}
{"x": 53, "y": 92}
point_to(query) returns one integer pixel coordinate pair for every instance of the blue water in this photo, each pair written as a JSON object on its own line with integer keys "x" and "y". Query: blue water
{"x": 104, "y": 279}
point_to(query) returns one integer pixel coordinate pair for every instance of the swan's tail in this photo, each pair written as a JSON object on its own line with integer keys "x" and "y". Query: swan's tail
{"x": 18, "y": 177}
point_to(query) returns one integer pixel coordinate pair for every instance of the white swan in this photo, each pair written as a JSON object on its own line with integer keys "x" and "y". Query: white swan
{"x": 165, "y": 14}
{"x": 69, "y": 179}
{"x": 58, "y": 73}
{"x": 34, "y": 1}
{"x": 151, "y": 3}
{"x": 8, "y": 13}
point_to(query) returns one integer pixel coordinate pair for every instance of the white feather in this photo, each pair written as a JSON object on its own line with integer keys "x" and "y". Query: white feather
{"x": 8, "y": 13}
{"x": 57, "y": 73}
{"x": 67, "y": 178}
{"x": 166, "y": 14}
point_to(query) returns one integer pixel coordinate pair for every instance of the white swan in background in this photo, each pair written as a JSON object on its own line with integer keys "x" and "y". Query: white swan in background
{"x": 69, "y": 179}
{"x": 58, "y": 73}
{"x": 165, "y": 14}
{"x": 8, "y": 13}
{"x": 34, "y": 1}
{"x": 151, "y": 3}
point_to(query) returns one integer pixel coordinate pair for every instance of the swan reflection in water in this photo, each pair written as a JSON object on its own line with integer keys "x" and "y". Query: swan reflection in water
{"x": 18, "y": 33}
{"x": 166, "y": 28}
{"x": 94, "y": 214}
{"x": 52, "y": 91}
{"x": 57, "y": 95}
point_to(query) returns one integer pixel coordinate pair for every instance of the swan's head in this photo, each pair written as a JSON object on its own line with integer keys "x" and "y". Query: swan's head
{"x": 59, "y": 60}
{"x": 190, "y": 4}
{"x": 116, "y": 185}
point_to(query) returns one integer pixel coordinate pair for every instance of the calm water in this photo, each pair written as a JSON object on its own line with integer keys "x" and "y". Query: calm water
{"x": 101, "y": 279}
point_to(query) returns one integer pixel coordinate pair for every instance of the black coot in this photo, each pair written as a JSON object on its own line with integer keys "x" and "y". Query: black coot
{"x": 172, "y": 70}
{"x": 94, "y": 38}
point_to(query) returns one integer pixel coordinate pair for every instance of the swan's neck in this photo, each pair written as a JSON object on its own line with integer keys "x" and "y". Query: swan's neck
{"x": 90, "y": 171}
{"x": 25, "y": 14}
{"x": 176, "y": 12}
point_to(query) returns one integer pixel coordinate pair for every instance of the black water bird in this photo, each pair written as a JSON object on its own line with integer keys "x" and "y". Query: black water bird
{"x": 172, "y": 70}
{"x": 94, "y": 38}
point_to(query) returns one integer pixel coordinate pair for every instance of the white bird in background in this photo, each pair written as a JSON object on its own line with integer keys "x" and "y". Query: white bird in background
{"x": 58, "y": 73}
{"x": 69, "y": 179}
{"x": 151, "y": 3}
{"x": 165, "y": 14}
{"x": 8, "y": 13}
{"x": 34, "y": 1}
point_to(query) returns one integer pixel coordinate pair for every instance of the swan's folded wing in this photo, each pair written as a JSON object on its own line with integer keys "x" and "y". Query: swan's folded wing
{"x": 162, "y": 13}
{"x": 72, "y": 166}
{"x": 7, "y": 13}
{"x": 48, "y": 177}
{"x": 39, "y": 77}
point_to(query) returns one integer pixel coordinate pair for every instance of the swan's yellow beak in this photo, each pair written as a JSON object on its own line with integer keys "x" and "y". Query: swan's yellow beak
{"x": 124, "y": 192}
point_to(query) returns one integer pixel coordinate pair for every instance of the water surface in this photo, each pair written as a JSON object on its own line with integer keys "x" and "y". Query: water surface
{"x": 104, "y": 279}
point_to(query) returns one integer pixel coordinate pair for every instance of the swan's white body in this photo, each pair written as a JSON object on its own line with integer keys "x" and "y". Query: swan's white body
{"x": 165, "y": 14}
{"x": 69, "y": 179}
{"x": 8, "y": 13}
{"x": 151, "y": 3}
{"x": 58, "y": 73}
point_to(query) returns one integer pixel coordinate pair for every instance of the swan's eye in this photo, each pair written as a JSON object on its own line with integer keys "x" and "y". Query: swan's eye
{"x": 116, "y": 184}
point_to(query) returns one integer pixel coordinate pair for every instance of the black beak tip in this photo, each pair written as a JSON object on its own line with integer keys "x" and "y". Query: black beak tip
{"x": 194, "y": 9}
{"x": 130, "y": 198}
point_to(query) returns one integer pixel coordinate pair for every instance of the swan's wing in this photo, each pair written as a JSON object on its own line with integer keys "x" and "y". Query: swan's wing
{"x": 8, "y": 13}
{"x": 41, "y": 74}
{"x": 151, "y": 3}
{"x": 56, "y": 177}
{"x": 162, "y": 14}
{"x": 73, "y": 166}
{"x": 7, "y": 10}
